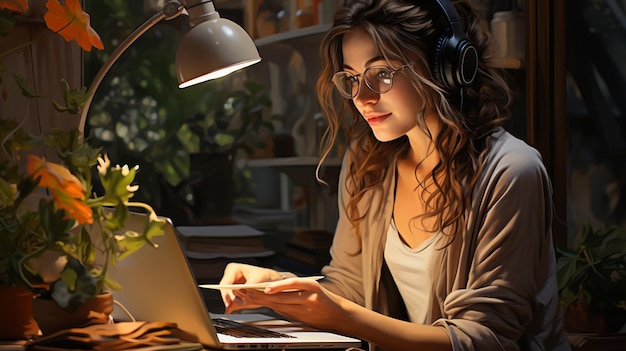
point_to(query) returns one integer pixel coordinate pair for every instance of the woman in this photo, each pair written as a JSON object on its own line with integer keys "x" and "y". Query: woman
{"x": 443, "y": 240}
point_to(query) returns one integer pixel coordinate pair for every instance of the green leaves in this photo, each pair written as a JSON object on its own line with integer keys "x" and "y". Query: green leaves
{"x": 75, "y": 285}
{"x": 7, "y": 194}
{"x": 24, "y": 88}
{"x": 594, "y": 270}
{"x": 74, "y": 99}
{"x": 131, "y": 241}
{"x": 16, "y": 139}
{"x": 236, "y": 119}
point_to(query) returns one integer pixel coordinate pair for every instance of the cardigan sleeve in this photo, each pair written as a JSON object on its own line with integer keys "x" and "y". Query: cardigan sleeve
{"x": 344, "y": 274}
{"x": 508, "y": 256}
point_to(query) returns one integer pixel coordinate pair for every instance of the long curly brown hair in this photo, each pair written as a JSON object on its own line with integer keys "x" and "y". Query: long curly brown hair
{"x": 402, "y": 31}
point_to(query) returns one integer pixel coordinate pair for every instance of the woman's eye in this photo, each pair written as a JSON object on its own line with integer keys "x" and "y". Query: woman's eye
{"x": 383, "y": 74}
{"x": 352, "y": 80}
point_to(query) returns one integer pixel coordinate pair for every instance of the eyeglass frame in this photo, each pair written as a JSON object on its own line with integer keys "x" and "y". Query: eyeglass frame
{"x": 358, "y": 89}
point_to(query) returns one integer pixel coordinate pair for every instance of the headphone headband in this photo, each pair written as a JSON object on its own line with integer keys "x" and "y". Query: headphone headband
{"x": 455, "y": 60}
{"x": 448, "y": 10}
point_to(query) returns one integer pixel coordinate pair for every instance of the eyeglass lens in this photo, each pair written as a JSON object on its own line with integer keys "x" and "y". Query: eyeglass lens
{"x": 378, "y": 79}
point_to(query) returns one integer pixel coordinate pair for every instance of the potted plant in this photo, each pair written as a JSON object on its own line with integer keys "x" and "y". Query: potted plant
{"x": 236, "y": 125}
{"x": 62, "y": 224}
{"x": 592, "y": 280}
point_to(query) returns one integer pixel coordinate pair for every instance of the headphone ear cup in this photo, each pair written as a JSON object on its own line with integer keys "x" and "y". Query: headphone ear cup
{"x": 455, "y": 61}
{"x": 439, "y": 62}
{"x": 466, "y": 63}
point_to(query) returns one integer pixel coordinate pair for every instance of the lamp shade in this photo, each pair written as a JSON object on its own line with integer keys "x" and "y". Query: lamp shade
{"x": 212, "y": 49}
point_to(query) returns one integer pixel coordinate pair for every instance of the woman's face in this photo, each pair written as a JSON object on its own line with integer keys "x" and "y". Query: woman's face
{"x": 392, "y": 114}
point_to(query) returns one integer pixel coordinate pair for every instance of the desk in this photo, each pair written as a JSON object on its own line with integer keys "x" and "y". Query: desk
{"x": 162, "y": 335}
{"x": 18, "y": 346}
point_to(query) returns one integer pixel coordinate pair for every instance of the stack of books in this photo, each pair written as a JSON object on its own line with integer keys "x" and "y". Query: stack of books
{"x": 269, "y": 218}
{"x": 307, "y": 252}
{"x": 210, "y": 248}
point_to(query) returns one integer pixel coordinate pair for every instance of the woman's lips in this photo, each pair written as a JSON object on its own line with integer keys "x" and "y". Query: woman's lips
{"x": 373, "y": 120}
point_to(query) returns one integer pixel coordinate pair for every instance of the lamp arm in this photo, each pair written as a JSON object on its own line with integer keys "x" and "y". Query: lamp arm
{"x": 171, "y": 10}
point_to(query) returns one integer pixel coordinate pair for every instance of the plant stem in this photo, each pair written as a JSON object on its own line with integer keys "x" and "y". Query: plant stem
{"x": 17, "y": 48}
{"x": 23, "y": 260}
{"x": 589, "y": 259}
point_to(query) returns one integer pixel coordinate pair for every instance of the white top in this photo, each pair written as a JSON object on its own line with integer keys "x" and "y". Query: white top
{"x": 410, "y": 269}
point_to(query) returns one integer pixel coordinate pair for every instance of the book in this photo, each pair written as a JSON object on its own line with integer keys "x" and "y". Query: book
{"x": 222, "y": 240}
{"x": 219, "y": 231}
{"x": 264, "y": 217}
{"x": 199, "y": 255}
{"x": 225, "y": 246}
{"x": 210, "y": 248}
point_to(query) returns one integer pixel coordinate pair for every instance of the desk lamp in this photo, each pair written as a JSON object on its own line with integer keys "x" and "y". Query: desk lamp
{"x": 212, "y": 48}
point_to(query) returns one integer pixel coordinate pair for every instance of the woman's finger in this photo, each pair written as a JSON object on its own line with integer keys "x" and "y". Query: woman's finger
{"x": 286, "y": 297}
{"x": 292, "y": 284}
{"x": 241, "y": 301}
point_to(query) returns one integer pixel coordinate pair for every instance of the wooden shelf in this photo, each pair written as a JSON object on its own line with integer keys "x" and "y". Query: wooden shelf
{"x": 301, "y": 171}
{"x": 298, "y": 37}
{"x": 298, "y": 161}
{"x": 279, "y": 48}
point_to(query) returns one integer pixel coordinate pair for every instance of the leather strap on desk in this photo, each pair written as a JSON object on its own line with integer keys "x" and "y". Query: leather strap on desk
{"x": 118, "y": 336}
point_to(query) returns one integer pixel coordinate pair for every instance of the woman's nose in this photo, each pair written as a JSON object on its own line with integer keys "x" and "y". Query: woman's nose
{"x": 366, "y": 96}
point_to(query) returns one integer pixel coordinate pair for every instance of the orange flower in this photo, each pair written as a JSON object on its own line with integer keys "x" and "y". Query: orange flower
{"x": 65, "y": 187}
{"x": 72, "y": 23}
{"x": 20, "y": 6}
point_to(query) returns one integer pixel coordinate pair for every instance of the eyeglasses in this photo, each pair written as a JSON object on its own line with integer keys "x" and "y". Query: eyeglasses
{"x": 378, "y": 78}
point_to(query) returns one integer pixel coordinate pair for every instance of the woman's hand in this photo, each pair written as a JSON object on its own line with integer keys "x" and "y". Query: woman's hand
{"x": 239, "y": 273}
{"x": 299, "y": 299}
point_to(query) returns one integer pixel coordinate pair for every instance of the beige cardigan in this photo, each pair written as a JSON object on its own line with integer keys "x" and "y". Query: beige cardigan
{"x": 497, "y": 288}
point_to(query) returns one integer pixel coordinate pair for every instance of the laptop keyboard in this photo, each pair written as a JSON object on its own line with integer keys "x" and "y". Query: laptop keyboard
{"x": 240, "y": 330}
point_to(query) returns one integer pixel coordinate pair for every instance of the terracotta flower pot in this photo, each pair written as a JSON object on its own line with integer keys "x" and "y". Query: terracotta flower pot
{"x": 580, "y": 318}
{"x": 51, "y": 318}
{"x": 16, "y": 318}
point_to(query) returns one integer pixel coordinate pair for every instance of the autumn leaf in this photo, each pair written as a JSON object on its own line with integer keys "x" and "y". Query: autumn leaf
{"x": 20, "y": 6}
{"x": 66, "y": 189}
{"x": 69, "y": 20}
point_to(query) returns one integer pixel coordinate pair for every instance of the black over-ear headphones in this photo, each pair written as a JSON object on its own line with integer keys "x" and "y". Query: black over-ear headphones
{"x": 455, "y": 60}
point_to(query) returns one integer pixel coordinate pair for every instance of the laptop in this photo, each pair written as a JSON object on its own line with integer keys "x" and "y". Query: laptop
{"x": 158, "y": 285}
